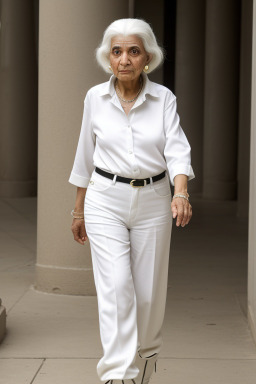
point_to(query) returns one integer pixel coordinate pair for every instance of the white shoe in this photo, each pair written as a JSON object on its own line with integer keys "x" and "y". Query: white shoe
{"x": 125, "y": 381}
{"x": 146, "y": 366}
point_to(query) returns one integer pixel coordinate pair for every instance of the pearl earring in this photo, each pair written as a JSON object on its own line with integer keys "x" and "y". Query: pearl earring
{"x": 146, "y": 68}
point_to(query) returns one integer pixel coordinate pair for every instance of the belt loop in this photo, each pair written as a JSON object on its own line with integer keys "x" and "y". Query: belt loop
{"x": 114, "y": 180}
{"x": 145, "y": 183}
{"x": 151, "y": 181}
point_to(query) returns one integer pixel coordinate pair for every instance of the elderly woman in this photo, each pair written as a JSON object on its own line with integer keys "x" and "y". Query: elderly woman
{"x": 131, "y": 148}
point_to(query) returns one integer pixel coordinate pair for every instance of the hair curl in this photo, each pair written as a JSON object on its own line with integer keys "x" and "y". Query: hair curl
{"x": 126, "y": 27}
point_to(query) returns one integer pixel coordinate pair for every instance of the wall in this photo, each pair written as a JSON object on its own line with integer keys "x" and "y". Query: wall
{"x": 252, "y": 199}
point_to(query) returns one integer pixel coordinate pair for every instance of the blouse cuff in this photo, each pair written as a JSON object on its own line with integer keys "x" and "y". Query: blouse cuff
{"x": 79, "y": 181}
{"x": 181, "y": 169}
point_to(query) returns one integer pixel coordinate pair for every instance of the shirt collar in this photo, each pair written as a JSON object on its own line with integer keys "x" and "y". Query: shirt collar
{"x": 148, "y": 88}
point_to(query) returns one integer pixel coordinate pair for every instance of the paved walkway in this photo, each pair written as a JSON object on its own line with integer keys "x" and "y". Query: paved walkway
{"x": 54, "y": 339}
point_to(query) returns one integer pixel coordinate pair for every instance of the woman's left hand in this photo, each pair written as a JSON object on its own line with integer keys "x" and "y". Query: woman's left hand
{"x": 182, "y": 210}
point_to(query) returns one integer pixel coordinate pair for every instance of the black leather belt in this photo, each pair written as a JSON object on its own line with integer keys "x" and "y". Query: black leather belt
{"x": 132, "y": 182}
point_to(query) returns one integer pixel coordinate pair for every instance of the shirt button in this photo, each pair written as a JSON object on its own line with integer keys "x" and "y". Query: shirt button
{"x": 130, "y": 152}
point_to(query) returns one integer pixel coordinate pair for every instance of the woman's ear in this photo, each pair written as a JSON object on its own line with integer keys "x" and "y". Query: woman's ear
{"x": 149, "y": 58}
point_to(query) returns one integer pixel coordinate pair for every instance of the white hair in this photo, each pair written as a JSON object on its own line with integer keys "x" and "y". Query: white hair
{"x": 126, "y": 27}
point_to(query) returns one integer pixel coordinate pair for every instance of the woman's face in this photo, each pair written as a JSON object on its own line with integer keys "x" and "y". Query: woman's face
{"x": 128, "y": 57}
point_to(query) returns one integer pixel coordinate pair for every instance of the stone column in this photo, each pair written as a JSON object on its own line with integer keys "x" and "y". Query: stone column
{"x": 221, "y": 99}
{"x": 252, "y": 201}
{"x": 18, "y": 100}
{"x": 189, "y": 79}
{"x": 244, "y": 108}
{"x": 69, "y": 32}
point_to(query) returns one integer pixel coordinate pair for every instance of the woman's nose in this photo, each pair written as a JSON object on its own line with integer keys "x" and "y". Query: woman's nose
{"x": 124, "y": 59}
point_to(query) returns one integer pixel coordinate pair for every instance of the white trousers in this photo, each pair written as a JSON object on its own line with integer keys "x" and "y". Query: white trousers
{"x": 129, "y": 230}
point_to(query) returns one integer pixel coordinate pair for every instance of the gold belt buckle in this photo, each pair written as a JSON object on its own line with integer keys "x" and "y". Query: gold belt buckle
{"x": 135, "y": 186}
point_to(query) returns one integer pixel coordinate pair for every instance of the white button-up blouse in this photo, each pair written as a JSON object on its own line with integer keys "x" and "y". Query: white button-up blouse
{"x": 143, "y": 144}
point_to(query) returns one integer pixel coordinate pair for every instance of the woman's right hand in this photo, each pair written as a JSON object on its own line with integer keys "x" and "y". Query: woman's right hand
{"x": 79, "y": 232}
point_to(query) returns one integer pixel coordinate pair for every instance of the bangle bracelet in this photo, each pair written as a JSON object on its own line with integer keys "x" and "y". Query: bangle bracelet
{"x": 74, "y": 215}
{"x": 180, "y": 195}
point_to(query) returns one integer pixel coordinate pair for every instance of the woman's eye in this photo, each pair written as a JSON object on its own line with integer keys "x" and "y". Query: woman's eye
{"x": 116, "y": 52}
{"x": 134, "y": 51}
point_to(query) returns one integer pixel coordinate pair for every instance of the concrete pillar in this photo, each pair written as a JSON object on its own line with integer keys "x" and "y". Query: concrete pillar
{"x": 189, "y": 79}
{"x": 252, "y": 201}
{"x": 2, "y": 321}
{"x": 18, "y": 100}
{"x": 244, "y": 108}
{"x": 221, "y": 99}
{"x": 69, "y": 32}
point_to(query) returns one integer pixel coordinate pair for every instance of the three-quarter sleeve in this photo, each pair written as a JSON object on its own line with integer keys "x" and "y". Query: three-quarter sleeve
{"x": 177, "y": 150}
{"x": 83, "y": 163}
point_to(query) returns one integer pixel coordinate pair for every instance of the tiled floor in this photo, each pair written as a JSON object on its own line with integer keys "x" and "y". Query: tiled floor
{"x": 54, "y": 339}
